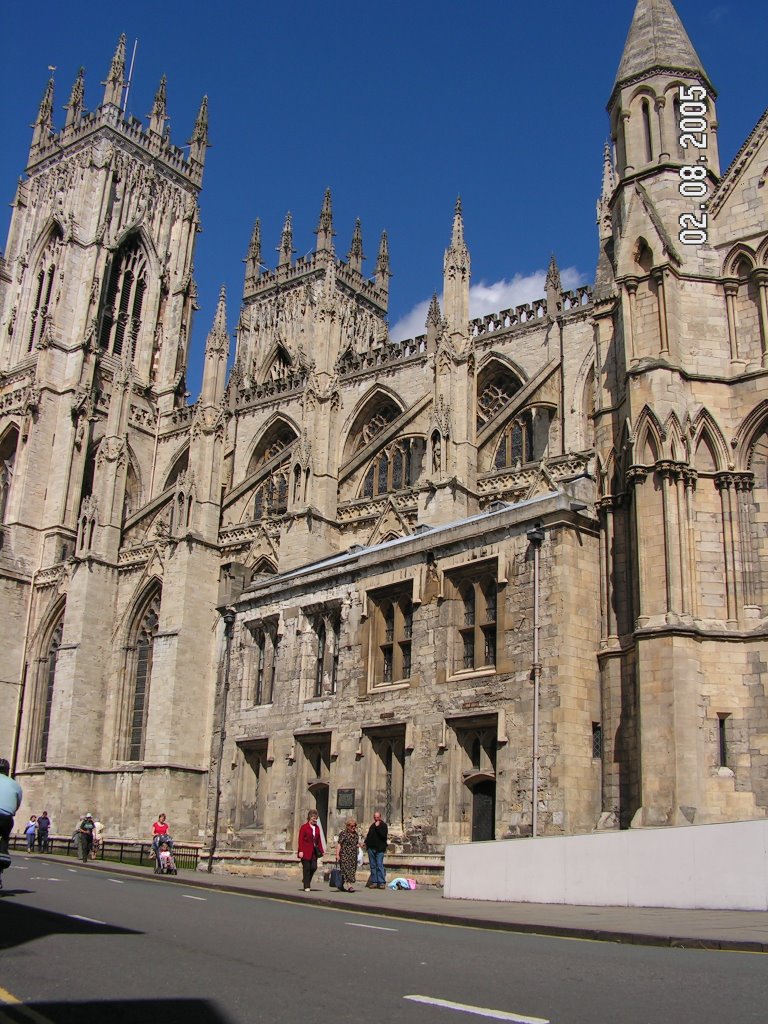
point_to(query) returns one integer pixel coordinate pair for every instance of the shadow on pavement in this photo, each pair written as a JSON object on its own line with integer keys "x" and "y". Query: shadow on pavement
{"x": 25, "y": 924}
{"x": 132, "y": 1011}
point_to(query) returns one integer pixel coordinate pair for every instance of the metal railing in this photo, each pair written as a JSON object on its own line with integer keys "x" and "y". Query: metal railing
{"x": 121, "y": 851}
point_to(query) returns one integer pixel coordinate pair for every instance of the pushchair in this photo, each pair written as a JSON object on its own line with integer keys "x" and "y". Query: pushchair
{"x": 164, "y": 862}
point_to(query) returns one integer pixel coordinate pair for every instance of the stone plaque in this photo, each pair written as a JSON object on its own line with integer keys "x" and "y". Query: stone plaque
{"x": 345, "y": 799}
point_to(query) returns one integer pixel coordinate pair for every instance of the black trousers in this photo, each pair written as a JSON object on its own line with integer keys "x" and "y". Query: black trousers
{"x": 6, "y": 824}
{"x": 308, "y": 868}
{"x": 42, "y": 840}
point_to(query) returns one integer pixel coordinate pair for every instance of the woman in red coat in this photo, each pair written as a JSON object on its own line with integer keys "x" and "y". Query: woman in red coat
{"x": 310, "y": 847}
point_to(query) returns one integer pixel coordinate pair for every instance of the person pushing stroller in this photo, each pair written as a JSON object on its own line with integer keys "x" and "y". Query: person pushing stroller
{"x": 161, "y": 837}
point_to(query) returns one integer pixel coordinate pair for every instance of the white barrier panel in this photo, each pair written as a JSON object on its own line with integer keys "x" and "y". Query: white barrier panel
{"x": 715, "y": 867}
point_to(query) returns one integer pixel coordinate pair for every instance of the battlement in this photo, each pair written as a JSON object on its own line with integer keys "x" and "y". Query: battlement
{"x": 157, "y": 147}
{"x": 523, "y": 315}
{"x": 312, "y": 265}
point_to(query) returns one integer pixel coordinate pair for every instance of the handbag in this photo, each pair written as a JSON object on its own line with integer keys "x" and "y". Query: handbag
{"x": 336, "y": 879}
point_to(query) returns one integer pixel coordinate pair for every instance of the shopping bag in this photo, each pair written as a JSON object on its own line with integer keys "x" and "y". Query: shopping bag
{"x": 336, "y": 879}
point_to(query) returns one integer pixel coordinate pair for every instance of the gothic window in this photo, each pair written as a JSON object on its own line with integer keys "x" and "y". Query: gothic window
{"x": 392, "y": 624}
{"x": 496, "y": 388}
{"x": 320, "y": 659}
{"x": 140, "y": 656}
{"x": 279, "y": 437}
{"x": 395, "y": 467}
{"x": 263, "y": 661}
{"x": 180, "y": 466}
{"x": 281, "y": 365}
{"x": 373, "y": 424}
{"x": 647, "y": 135}
{"x": 271, "y": 496}
{"x": 124, "y": 300}
{"x": 44, "y": 280}
{"x": 476, "y": 622}
{"x": 48, "y": 680}
{"x": 516, "y": 443}
{"x": 7, "y": 460}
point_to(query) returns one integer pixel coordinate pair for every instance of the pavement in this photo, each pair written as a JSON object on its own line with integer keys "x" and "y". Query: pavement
{"x": 737, "y": 930}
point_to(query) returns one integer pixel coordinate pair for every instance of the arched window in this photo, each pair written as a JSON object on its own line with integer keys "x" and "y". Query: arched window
{"x": 496, "y": 387}
{"x": 516, "y": 443}
{"x": 124, "y": 301}
{"x": 8, "y": 448}
{"x": 48, "y": 672}
{"x": 647, "y": 137}
{"x": 395, "y": 467}
{"x": 45, "y": 277}
{"x": 320, "y": 659}
{"x": 139, "y": 676}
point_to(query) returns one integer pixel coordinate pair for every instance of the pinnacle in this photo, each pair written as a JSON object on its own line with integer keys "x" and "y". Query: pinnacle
{"x": 657, "y": 39}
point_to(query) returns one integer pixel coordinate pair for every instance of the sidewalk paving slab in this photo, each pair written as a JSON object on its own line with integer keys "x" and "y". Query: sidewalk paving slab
{"x": 735, "y": 930}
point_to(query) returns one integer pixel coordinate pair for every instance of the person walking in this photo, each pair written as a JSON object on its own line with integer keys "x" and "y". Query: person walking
{"x": 310, "y": 847}
{"x": 30, "y": 831}
{"x": 85, "y": 836}
{"x": 346, "y": 853}
{"x": 376, "y": 845}
{"x": 43, "y": 830}
{"x": 98, "y": 838}
{"x": 10, "y": 801}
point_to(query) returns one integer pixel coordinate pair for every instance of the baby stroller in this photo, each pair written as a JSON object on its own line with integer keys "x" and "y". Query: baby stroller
{"x": 164, "y": 862}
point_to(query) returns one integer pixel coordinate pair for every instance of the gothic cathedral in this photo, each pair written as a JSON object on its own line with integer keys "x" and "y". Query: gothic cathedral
{"x": 507, "y": 577}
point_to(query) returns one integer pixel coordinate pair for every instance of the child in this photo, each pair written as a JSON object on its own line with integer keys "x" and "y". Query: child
{"x": 166, "y": 859}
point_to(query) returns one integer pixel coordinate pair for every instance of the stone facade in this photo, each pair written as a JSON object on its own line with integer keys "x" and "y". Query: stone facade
{"x": 526, "y": 553}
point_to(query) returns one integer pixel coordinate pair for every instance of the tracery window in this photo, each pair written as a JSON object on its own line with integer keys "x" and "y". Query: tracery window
{"x": 124, "y": 301}
{"x": 381, "y": 418}
{"x": 328, "y": 645}
{"x": 45, "y": 279}
{"x": 271, "y": 496}
{"x": 495, "y": 391}
{"x": 516, "y": 442}
{"x": 395, "y": 467}
{"x": 140, "y": 657}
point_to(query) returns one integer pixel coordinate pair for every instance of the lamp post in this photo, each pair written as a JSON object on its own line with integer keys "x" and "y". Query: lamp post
{"x": 535, "y": 538}
{"x": 228, "y": 616}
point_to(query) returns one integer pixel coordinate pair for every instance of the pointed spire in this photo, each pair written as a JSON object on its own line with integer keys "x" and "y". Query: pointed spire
{"x": 554, "y": 288}
{"x": 43, "y": 126}
{"x": 159, "y": 114}
{"x": 199, "y": 141}
{"x": 113, "y": 87}
{"x": 324, "y": 229}
{"x": 433, "y": 313}
{"x": 216, "y": 355}
{"x": 74, "y": 108}
{"x": 253, "y": 256}
{"x": 382, "y": 272}
{"x": 456, "y": 273}
{"x": 457, "y": 235}
{"x": 355, "y": 255}
{"x": 286, "y": 249}
{"x": 657, "y": 39}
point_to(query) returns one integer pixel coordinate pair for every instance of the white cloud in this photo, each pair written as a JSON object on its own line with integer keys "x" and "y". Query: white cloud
{"x": 488, "y": 298}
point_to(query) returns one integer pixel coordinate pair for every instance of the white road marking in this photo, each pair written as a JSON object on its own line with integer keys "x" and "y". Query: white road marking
{"x": 480, "y": 1011}
{"x": 116, "y": 881}
{"x": 90, "y": 920}
{"x": 375, "y": 927}
{"x": 186, "y": 897}
{"x": 73, "y": 870}
{"x": 42, "y": 878}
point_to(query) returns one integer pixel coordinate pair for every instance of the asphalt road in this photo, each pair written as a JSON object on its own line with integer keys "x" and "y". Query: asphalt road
{"x": 76, "y": 942}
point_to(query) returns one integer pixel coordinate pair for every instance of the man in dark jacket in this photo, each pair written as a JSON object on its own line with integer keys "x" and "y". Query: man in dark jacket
{"x": 376, "y": 844}
{"x": 43, "y": 828}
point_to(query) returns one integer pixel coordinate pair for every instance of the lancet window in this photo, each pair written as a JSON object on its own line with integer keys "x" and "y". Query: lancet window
{"x": 44, "y": 281}
{"x": 7, "y": 460}
{"x": 124, "y": 301}
{"x": 140, "y": 657}
{"x": 516, "y": 443}
{"x": 395, "y": 467}
{"x": 48, "y": 674}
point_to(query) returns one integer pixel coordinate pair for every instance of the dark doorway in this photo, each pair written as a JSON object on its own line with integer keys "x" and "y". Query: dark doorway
{"x": 320, "y": 793}
{"x": 484, "y": 811}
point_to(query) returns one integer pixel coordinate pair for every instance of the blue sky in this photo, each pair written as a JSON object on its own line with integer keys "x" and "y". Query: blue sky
{"x": 398, "y": 107}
